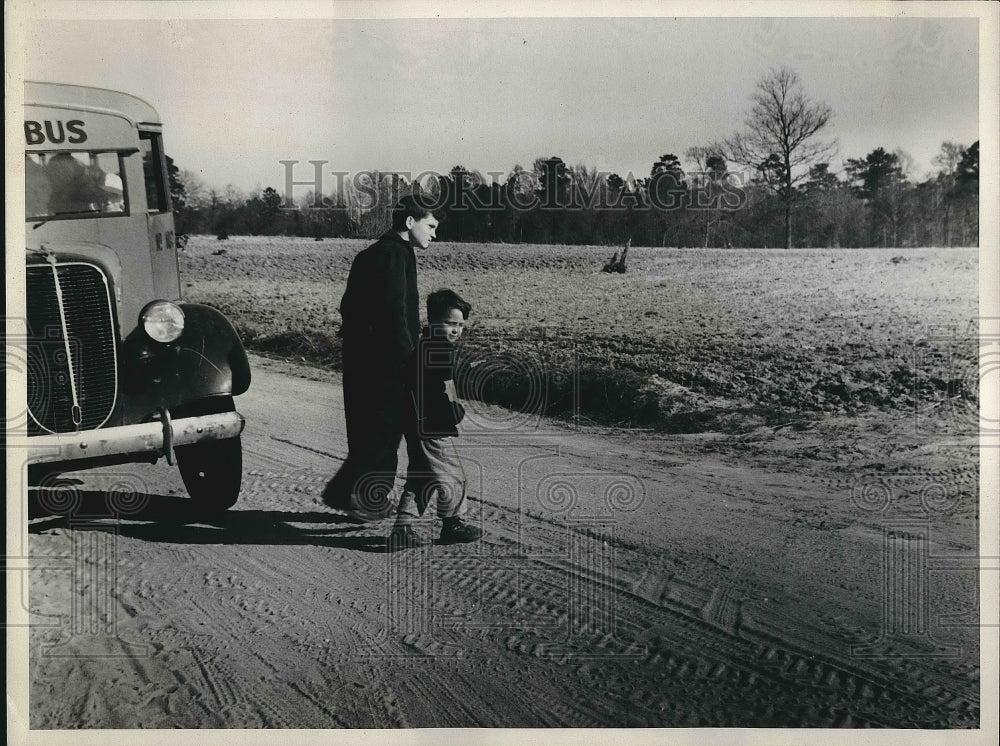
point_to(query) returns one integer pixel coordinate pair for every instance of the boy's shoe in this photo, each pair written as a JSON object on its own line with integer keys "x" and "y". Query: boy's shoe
{"x": 457, "y": 531}
{"x": 403, "y": 537}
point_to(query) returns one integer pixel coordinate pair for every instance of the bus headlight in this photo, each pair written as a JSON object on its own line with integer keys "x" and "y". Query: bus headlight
{"x": 162, "y": 320}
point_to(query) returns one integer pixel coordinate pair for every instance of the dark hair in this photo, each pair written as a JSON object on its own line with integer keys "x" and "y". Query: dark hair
{"x": 410, "y": 206}
{"x": 441, "y": 301}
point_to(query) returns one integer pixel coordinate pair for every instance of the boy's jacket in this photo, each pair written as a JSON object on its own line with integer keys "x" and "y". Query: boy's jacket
{"x": 432, "y": 364}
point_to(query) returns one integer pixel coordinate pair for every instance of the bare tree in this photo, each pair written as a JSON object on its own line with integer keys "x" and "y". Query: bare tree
{"x": 949, "y": 158}
{"x": 195, "y": 191}
{"x": 779, "y": 141}
{"x": 233, "y": 196}
{"x": 712, "y": 171}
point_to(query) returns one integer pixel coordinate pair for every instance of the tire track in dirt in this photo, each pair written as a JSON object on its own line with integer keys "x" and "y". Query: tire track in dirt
{"x": 787, "y": 665}
{"x": 688, "y": 661}
{"x": 284, "y": 657}
{"x": 706, "y": 640}
{"x": 204, "y": 623}
{"x": 281, "y": 615}
{"x": 607, "y": 644}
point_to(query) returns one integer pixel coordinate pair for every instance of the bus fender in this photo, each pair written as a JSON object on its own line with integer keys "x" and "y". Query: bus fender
{"x": 208, "y": 359}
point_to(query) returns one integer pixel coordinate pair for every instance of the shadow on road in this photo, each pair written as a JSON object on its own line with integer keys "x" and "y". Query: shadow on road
{"x": 177, "y": 520}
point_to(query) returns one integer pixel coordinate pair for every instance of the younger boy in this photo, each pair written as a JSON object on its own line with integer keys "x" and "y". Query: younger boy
{"x": 434, "y": 465}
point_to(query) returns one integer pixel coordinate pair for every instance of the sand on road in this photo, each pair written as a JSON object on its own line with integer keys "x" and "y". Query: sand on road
{"x": 627, "y": 579}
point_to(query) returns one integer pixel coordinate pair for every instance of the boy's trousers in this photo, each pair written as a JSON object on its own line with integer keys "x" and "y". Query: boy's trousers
{"x": 434, "y": 469}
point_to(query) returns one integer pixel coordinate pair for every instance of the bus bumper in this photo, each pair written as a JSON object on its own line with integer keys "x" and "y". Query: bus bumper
{"x": 154, "y": 439}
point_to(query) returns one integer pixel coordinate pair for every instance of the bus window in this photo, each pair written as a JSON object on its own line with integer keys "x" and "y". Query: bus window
{"x": 113, "y": 186}
{"x": 150, "y": 143}
{"x": 73, "y": 185}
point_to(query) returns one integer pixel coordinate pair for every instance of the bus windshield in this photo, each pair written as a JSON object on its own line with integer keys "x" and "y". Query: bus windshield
{"x": 73, "y": 185}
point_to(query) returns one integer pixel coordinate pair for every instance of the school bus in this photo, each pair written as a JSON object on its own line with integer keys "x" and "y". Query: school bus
{"x": 119, "y": 368}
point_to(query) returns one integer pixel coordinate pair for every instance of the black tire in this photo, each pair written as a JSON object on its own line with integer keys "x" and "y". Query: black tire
{"x": 212, "y": 472}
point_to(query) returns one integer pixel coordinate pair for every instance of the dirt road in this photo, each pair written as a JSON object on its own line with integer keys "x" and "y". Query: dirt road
{"x": 625, "y": 580}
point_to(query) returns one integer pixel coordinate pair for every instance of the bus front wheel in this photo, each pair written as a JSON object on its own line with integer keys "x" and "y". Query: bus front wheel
{"x": 212, "y": 472}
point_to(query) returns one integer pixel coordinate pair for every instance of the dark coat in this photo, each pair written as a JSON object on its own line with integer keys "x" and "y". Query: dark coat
{"x": 381, "y": 325}
{"x": 380, "y": 307}
{"x": 432, "y": 364}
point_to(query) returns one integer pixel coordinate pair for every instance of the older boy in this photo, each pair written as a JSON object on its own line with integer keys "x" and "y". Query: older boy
{"x": 381, "y": 325}
{"x": 435, "y": 468}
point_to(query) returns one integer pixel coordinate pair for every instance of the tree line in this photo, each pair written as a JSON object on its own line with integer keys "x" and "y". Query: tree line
{"x": 770, "y": 185}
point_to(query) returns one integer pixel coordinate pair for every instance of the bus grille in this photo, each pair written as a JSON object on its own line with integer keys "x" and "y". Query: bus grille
{"x": 72, "y": 357}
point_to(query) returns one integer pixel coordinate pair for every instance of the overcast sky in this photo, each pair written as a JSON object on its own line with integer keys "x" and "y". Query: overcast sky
{"x": 238, "y": 96}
